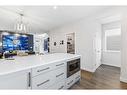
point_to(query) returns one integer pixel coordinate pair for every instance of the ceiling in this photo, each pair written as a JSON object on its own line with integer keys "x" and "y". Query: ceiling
{"x": 45, "y": 18}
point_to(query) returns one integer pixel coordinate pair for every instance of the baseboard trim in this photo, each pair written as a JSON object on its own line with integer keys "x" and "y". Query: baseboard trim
{"x": 111, "y": 65}
{"x": 123, "y": 80}
{"x": 92, "y": 71}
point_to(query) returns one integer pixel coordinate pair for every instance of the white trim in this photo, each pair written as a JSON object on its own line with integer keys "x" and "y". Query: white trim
{"x": 89, "y": 70}
{"x": 123, "y": 80}
{"x": 110, "y": 51}
{"x": 110, "y": 64}
{"x": 105, "y": 38}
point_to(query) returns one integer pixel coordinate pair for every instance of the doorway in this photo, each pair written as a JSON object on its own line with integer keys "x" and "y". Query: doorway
{"x": 107, "y": 45}
{"x": 111, "y": 44}
{"x": 97, "y": 50}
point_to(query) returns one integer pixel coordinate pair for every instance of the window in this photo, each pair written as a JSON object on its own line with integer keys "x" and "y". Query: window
{"x": 112, "y": 39}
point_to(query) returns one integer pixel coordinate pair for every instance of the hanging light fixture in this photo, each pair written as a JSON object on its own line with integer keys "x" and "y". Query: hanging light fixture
{"x": 20, "y": 25}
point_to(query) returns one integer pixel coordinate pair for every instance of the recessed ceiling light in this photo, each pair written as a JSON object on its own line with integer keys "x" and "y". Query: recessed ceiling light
{"x": 55, "y": 7}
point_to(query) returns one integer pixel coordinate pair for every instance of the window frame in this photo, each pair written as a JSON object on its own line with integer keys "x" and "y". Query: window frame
{"x": 105, "y": 39}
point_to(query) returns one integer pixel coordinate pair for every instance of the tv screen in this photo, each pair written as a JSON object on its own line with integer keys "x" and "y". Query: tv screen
{"x": 12, "y": 42}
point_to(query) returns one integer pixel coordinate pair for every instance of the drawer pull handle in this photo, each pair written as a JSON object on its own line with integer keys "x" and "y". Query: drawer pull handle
{"x": 60, "y": 64}
{"x": 61, "y": 87}
{"x": 70, "y": 82}
{"x": 29, "y": 81}
{"x": 59, "y": 75}
{"x": 43, "y": 82}
{"x": 43, "y": 69}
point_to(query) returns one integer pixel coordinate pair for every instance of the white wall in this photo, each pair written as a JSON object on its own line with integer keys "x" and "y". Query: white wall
{"x": 110, "y": 58}
{"x": 123, "y": 76}
{"x": 84, "y": 35}
{"x": 85, "y": 31}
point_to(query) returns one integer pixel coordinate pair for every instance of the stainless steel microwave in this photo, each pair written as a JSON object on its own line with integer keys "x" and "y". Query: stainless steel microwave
{"x": 73, "y": 66}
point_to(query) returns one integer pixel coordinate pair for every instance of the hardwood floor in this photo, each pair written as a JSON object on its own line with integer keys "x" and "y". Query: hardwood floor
{"x": 105, "y": 77}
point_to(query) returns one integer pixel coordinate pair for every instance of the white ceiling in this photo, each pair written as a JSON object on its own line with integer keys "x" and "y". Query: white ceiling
{"x": 45, "y": 18}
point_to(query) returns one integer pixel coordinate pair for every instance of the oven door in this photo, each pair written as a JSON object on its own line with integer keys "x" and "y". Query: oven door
{"x": 73, "y": 67}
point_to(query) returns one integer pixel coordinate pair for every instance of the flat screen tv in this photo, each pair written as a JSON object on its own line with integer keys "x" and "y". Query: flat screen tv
{"x": 11, "y": 42}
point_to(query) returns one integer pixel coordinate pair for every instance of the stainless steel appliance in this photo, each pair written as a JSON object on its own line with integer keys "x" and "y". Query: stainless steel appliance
{"x": 73, "y": 66}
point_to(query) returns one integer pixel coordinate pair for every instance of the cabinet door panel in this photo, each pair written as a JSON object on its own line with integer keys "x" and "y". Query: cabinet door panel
{"x": 18, "y": 80}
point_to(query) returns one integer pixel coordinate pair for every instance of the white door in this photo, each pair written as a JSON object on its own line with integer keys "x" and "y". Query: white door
{"x": 97, "y": 50}
{"x": 18, "y": 80}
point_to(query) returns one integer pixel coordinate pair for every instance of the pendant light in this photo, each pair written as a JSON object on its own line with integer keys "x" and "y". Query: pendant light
{"x": 20, "y": 25}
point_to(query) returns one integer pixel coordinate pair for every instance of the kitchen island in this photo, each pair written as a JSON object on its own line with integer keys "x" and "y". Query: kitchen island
{"x": 37, "y": 72}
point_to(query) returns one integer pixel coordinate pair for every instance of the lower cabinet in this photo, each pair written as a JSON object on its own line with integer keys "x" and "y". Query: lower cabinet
{"x": 43, "y": 81}
{"x": 31, "y": 79}
{"x": 17, "y": 80}
{"x": 59, "y": 85}
{"x": 60, "y": 74}
{"x": 77, "y": 76}
{"x": 54, "y": 79}
{"x": 72, "y": 79}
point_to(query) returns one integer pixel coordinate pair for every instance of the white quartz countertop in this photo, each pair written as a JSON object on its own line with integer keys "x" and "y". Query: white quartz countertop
{"x": 32, "y": 61}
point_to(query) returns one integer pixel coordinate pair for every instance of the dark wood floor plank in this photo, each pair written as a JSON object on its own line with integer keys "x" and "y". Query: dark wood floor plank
{"x": 105, "y": 77}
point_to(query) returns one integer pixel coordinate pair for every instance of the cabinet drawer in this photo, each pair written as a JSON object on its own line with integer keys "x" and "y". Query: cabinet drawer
{"x": 42, "y": 69}
{"x": 43, "y": 81}
{"x": 77, "y": 76}
{"x": 70, "y": 81}
{"x": 60, "y": 74}
{"x": 59, "y": 64}
{"x": 59, "y": 85}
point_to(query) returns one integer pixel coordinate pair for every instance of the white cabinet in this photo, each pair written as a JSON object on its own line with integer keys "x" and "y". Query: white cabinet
{"x": 72, "y": 79}
{"x": 17, "y": 80}
{"x": 59, "y": 85}
{"x": 43, "y": 81}
{"x": 59, "y": 64}
{"x": 51, "y": 76}
{"x": 77, "y": 76}
{"x": 60, "y": 74}
{"x": 42, "y": 69}
{"x": 47, "y": 68}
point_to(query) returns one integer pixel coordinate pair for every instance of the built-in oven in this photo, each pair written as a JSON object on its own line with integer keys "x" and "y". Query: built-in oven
{"x": 73, "y": 66}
